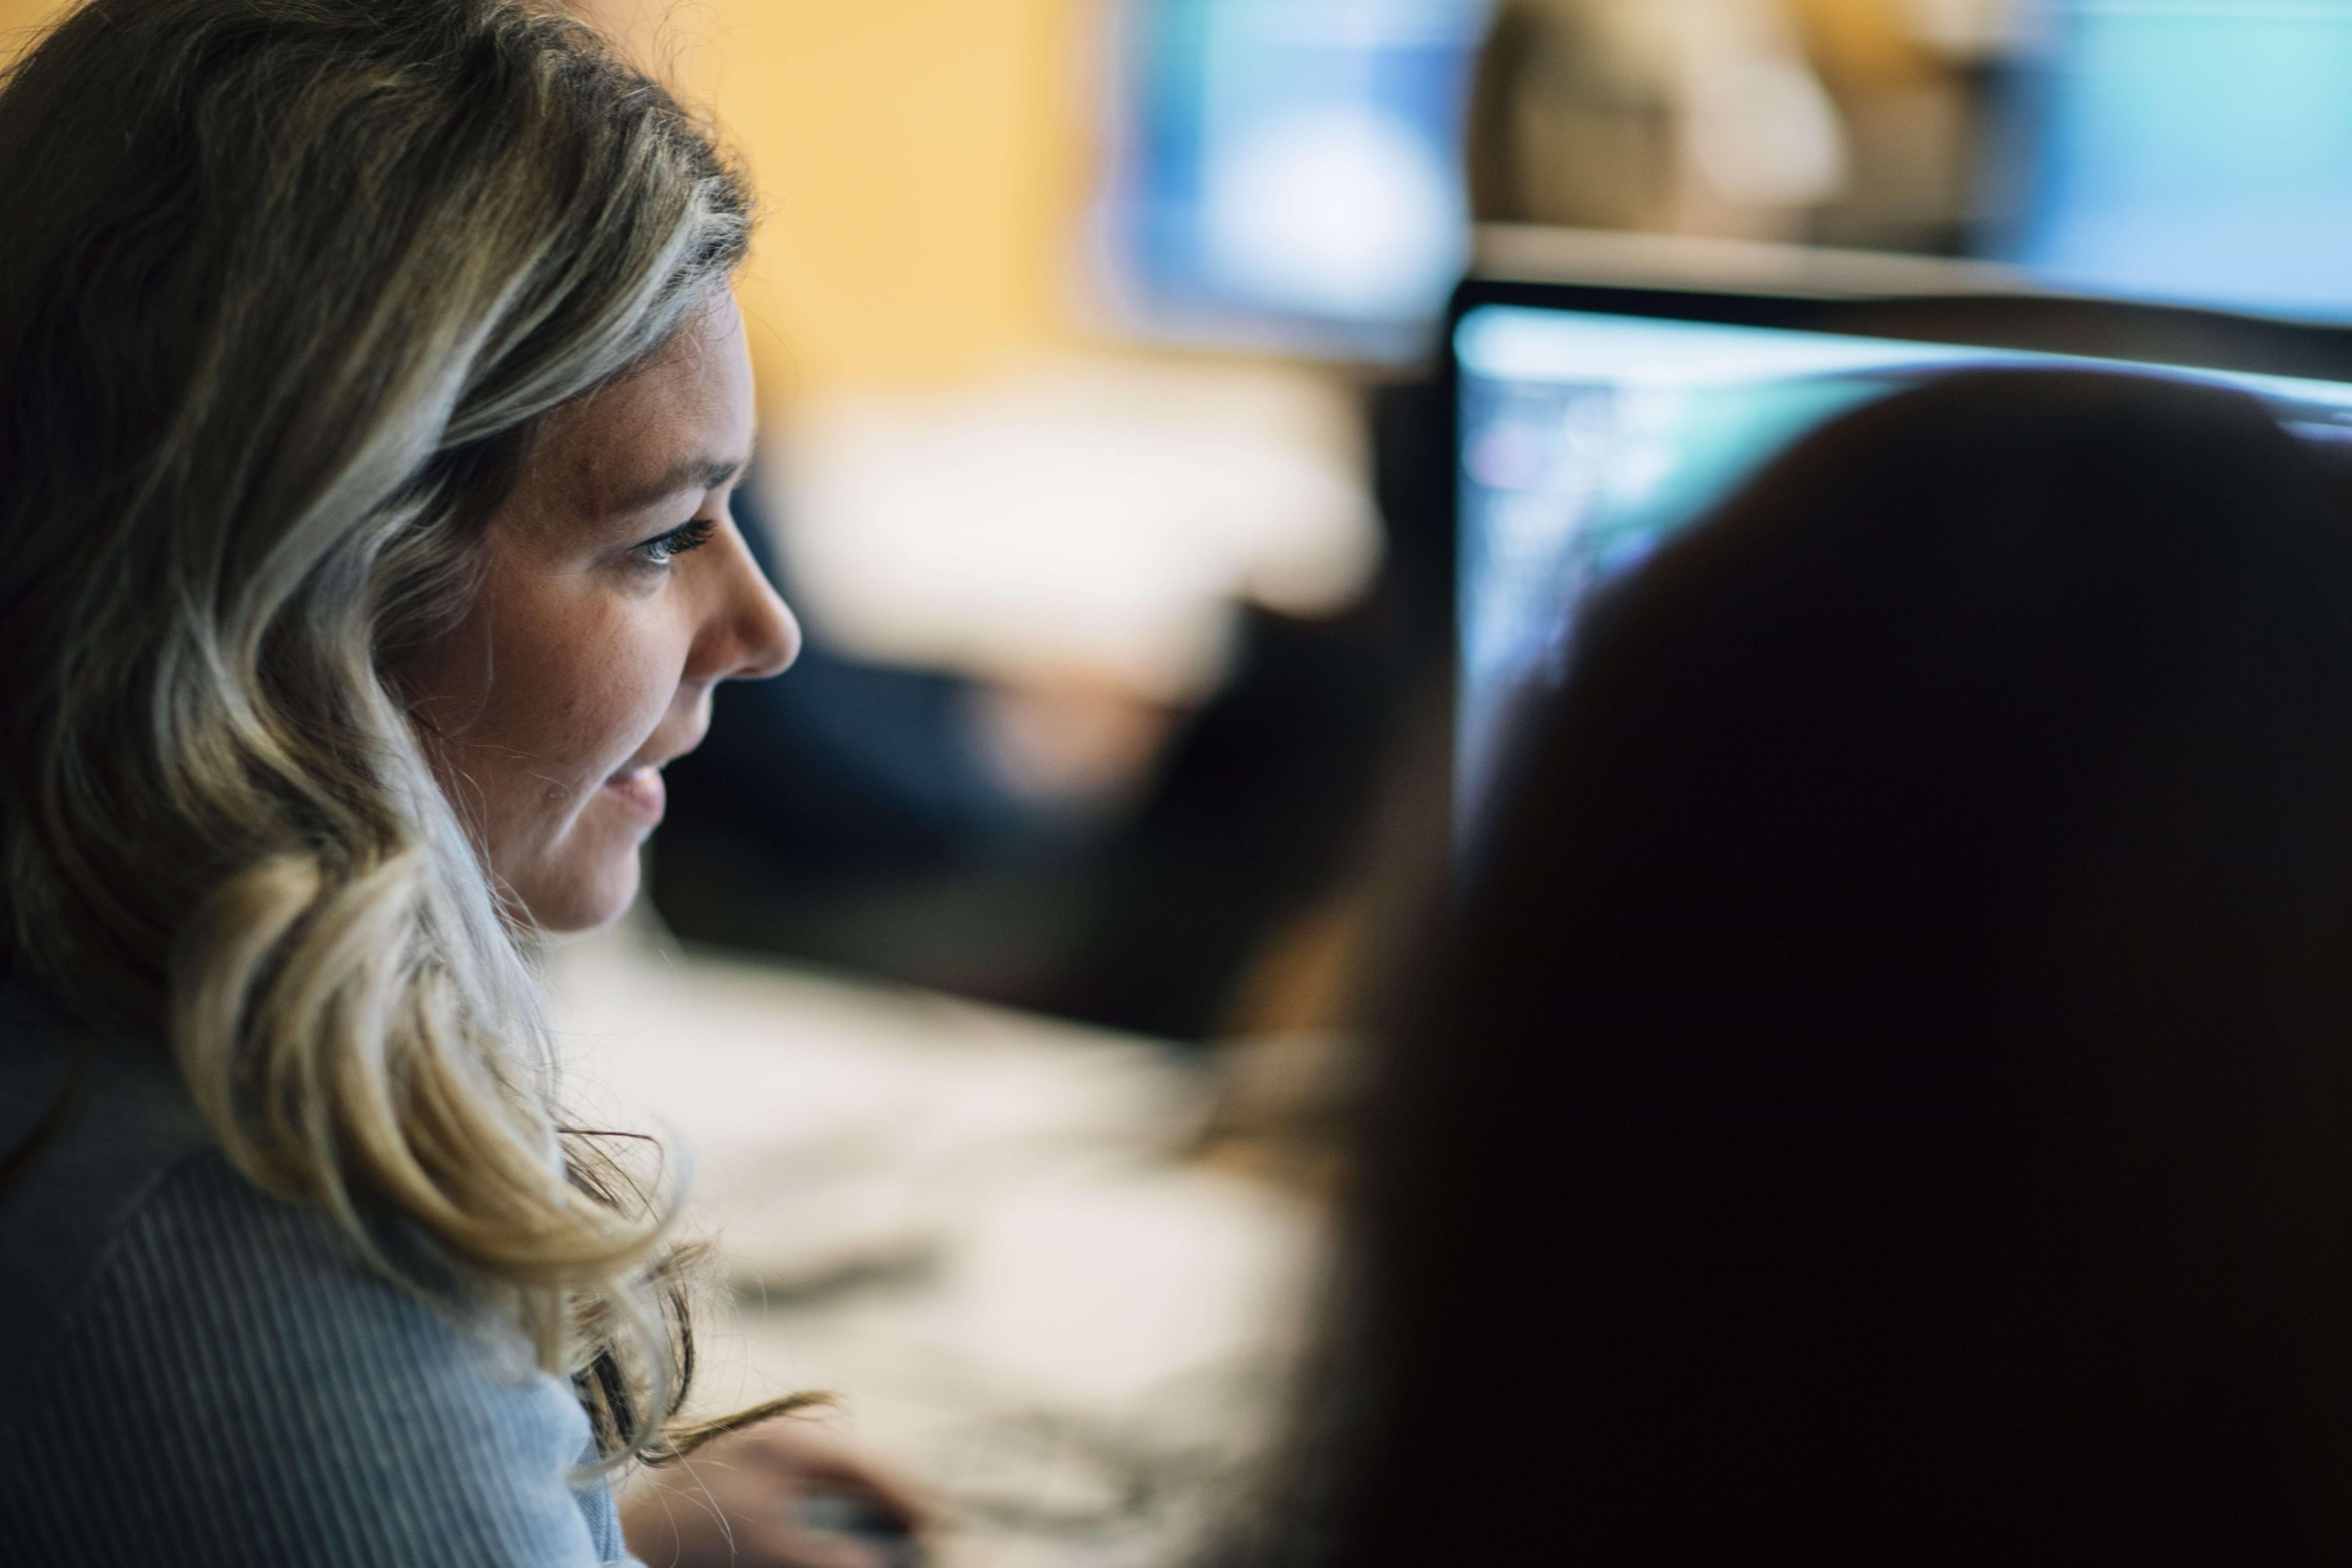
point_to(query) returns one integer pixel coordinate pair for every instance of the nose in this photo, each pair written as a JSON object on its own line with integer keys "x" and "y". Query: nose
{"x": 748, "y": 633}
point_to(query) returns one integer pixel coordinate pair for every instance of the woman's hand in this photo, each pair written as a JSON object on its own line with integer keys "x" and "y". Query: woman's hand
{"x": 782, "y": 1494}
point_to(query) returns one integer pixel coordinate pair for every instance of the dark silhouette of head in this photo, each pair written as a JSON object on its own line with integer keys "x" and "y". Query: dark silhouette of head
{"x": 1888, "y": 1092}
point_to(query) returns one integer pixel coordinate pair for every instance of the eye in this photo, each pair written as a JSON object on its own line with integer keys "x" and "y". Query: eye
{"x": 662, "y": 549}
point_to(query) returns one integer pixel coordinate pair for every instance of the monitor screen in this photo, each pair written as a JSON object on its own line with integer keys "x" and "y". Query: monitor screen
{"x": 2192, "y": 150}
{"x": 1586, "y": 438}
{"x": 1288, "y": 171}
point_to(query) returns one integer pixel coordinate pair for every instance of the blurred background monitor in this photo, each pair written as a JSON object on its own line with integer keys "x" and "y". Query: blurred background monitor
{"x": 2189, "y": 150}
{"x": 1289, "y": 172}
{"x": 1600, "y": 413}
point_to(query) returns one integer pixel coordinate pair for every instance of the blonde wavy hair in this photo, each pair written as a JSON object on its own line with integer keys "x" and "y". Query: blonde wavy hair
{"x": 288, "y": 287}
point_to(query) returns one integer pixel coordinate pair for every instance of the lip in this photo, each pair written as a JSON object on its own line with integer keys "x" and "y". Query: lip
{"x": 639, "y": 787}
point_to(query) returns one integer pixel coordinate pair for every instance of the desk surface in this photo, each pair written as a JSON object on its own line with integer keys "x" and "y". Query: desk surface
{"x": 981, "y": 1228}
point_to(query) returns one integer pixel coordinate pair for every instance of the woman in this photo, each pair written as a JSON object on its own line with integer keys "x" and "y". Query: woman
{"x": 1888, "y": 1096}
{"x": 372, "y": 396}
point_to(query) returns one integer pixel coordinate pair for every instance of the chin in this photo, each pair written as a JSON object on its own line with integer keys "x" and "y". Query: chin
{"x": 594, "y": 897}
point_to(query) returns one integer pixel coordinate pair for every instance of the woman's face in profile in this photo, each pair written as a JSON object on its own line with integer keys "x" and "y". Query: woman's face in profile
{"x": 615, "y": 594}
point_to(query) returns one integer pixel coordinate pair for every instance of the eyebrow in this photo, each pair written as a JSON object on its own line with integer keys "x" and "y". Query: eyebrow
{"x": 691, "y": 474}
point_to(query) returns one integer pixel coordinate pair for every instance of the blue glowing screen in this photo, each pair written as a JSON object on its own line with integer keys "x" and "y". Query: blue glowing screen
{"x": 1293, "y": 161}
{"x": 1586, "y": 440}
{"x": 2198, "y": 150}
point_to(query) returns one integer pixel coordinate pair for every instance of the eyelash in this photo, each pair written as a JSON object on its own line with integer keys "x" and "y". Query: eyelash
{"x": 690, "y": 535}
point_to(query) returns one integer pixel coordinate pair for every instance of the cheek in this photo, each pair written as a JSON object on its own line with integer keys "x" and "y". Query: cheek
{"x": 541, "y": 695}
{"x": 580, "y": 701}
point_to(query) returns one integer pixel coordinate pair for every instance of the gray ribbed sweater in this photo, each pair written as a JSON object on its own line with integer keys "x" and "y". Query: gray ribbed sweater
{"x": 195, "y": 1373}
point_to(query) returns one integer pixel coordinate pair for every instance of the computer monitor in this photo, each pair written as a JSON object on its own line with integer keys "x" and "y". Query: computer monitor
{"x": 1286, "y": 174}
{"x": 2194, "y": 151}
{"x": 1608, "y": 390}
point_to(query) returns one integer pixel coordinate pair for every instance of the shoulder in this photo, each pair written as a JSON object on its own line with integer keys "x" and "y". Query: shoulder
{"x": 91, "y": 1128}
{"x": 208, "y": 1375}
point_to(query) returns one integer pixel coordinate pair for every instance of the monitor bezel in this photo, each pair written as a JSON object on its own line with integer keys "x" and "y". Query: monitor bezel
{"x": 1870, "y": 294}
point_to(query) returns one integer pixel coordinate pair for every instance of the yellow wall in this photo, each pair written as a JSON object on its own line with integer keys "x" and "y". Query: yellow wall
{"x": 18, "y": 14}
{"x": 923, "y": 163}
